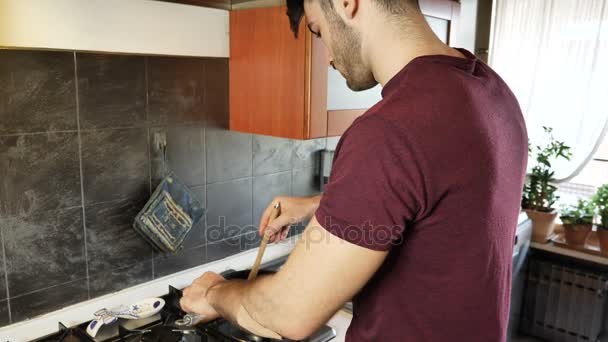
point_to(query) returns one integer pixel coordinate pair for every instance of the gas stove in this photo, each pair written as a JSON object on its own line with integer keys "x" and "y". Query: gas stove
{"x": 162, "y": 328}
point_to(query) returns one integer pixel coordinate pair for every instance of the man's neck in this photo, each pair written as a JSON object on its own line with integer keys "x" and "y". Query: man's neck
{"x": 397, "y": 47}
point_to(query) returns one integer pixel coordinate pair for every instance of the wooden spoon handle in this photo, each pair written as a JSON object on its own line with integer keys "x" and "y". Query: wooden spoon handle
{"x": 258, "y": 260}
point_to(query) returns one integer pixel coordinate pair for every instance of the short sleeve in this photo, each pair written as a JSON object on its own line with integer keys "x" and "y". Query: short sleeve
{"x": 373, "y": 191}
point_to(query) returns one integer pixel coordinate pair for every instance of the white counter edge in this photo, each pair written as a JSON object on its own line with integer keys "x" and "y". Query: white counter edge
{"x": 81, "y": 312}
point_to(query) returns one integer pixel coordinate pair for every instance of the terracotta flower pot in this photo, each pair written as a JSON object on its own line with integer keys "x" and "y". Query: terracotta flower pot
{"x": 602, "y": 234}
{"x": 543, "y": 224}
{"x": 576, "y": 234}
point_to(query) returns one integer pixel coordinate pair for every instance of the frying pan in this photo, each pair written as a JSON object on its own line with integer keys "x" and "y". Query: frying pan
{"x": 242, "y": 275}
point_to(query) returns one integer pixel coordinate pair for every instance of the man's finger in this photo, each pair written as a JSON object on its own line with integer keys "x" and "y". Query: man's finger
{"x": 278, "y": 237}
{"x": 183, "y": 303}
{"x": 265, "y": 217}
{"x": 275, "y": 226}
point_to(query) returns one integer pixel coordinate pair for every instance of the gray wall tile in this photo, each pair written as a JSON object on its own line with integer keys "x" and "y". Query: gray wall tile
{"x": 271, "y": 155}
{"x": 306, "y": 152}
{"x": 111, "y": 90}
{"x": 50, "y": 299}
{"x": 266, "y": 188}
{"x": 229, "y": 155}
{"x": 37, "y": 91}
{"x": 40, "y": 199}
{"x": 197, "y": 236}
{"x": 222, "y": 249}
{"x": 215, "y": 78}
{"x": 167, "y": 263}
{"x": 3, "y": 294}
{"x": 229, "y": 209}
{"x": 185, "y": 154}
{"x": 250, "y": 240}
{"x": 118, "y": 279}
{"x": 4, "y": 318}
{"x": 234, "y": 245}
{"x": 175, "y": 90}
{"x": 305, "y": 182}
{"x": 43, "y": 249}
{"x": 115, "y": 165}
{"x": 112, "y": 243}
{"x": 38, "y": 172}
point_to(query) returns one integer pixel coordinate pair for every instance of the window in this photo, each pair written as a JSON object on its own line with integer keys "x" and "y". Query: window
{"x": 554, "y": 56}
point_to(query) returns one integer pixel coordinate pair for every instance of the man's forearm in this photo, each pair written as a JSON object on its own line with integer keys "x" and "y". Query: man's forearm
{"x": 245, "y": 303}
{"x": 227, "y": 297}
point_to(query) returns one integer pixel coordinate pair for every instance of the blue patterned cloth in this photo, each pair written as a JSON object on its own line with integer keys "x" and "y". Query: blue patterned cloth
{"x": 169, "y": 215}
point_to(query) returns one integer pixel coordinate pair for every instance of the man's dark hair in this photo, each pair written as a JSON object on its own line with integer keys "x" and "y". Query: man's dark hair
{"x": 295, "y": 9}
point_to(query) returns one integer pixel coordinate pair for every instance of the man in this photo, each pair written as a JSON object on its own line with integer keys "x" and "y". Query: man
{"x": 418, "y": 220}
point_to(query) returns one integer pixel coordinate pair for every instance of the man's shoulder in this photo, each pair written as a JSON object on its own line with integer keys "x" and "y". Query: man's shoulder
{"x": 372, "y": 126}
{"x": 374, "y": 135}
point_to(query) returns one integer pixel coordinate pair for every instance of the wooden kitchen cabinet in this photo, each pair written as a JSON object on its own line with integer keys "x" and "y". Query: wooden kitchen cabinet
{"x": 282, "y": 86}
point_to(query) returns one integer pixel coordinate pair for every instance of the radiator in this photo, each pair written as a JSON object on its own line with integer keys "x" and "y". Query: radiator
{"x": 563, "y": 304}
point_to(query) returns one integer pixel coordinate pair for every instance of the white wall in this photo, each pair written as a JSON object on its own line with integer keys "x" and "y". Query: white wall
{"x": 128, "y": 26}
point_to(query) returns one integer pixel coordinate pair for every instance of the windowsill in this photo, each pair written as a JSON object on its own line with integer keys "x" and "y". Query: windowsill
{"x": 551, "y": 248}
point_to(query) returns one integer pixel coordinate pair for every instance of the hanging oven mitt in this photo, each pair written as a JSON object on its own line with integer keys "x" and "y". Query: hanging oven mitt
{"x": 170, "y": 214}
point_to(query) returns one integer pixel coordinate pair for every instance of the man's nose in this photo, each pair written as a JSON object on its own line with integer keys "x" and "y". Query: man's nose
{"x": 331, "y": 62}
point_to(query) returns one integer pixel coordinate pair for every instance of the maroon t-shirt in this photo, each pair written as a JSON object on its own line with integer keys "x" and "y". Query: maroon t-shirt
{"x": 433, "y": 174}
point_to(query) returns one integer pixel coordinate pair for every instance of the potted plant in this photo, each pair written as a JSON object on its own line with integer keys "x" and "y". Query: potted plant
{"x": 539, "y": 192}
{"x": 578, "y": 222}
{"x": 601, "y": 201}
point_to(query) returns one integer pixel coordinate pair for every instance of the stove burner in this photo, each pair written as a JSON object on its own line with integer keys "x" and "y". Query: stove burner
{"x": 159, "y": 333}
{"x": 188, "y": 320}
{"x": 69, "y": 335}
{"x": 172, "y": 301}
{"x": 163, "y": 328}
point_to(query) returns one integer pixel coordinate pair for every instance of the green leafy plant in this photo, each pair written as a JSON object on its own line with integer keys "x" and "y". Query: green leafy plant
{"x": 539, "y": 193}
{"x": 581, "y": 213}
{"x": 601, "y": 201}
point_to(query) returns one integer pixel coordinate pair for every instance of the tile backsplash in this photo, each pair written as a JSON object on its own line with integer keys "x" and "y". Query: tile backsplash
{"x": 78, "y": 160}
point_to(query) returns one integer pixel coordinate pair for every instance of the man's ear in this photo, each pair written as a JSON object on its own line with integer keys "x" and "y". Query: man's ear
{"x": 349, "y": 7}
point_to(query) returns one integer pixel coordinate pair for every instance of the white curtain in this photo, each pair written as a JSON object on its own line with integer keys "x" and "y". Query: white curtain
{"x": 554, "y": 56}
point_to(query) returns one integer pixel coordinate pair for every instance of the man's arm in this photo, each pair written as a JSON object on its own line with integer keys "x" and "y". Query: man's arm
{"x": 322, "y": 273}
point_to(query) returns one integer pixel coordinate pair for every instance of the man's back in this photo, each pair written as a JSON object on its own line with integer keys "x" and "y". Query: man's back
{"x": 445, "y": 151}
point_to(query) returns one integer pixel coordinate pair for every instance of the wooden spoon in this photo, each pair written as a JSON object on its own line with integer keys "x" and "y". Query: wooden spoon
{"x": 258, "y": 260}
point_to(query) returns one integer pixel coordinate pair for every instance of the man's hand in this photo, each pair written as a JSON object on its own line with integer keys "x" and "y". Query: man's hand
{"x": 195, "y": 296}
{"x": 293, "y": 210}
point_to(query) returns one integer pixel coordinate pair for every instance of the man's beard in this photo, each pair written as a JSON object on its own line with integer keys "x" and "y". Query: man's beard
{"x": 347, "y": 56}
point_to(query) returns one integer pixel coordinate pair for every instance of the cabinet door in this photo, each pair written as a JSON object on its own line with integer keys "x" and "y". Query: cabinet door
{"x": 268, "y": 74}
